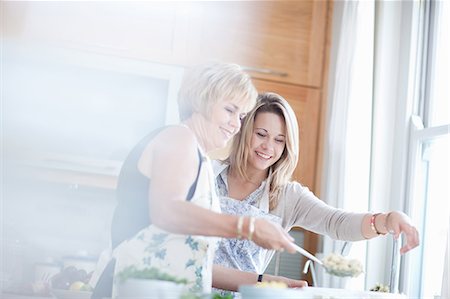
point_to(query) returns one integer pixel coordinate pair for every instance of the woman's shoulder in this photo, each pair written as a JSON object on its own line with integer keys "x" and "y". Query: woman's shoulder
{"x": 174, "y": 145}
{"x": 175, "y": 138}
{"x": 295, "y": 198}
{"x": 294, "y": 187}
{"x": 294, "y": 191}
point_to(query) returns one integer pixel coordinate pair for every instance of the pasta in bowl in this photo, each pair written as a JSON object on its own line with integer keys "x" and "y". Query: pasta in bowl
{"x": 338, "y": 265}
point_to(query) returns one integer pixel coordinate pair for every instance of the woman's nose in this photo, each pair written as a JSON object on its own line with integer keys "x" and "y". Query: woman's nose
{"x": 236, "y": 121}
{"x": 266, "y": 144}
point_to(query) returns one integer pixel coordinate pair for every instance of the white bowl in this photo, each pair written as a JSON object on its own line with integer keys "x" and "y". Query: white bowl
{"x": 67, "y": 294}
{"x": 252, "y": 292}
{"x": 149, "y": 289}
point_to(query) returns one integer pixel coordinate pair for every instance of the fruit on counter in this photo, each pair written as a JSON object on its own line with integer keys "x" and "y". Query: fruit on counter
{"x": 87, "y": 288}
{"x": 76, "y": 286}
{"x": 71, "y": 278}
{"x": 80, "y": 286}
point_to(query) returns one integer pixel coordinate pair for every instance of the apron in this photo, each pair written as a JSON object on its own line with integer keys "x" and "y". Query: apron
{"x": 243, "y": 254}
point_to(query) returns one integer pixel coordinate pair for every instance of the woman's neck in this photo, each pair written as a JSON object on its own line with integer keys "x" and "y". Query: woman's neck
{"x": 254, "y": 176}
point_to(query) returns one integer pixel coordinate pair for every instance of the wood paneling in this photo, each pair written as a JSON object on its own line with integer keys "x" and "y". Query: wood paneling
{"x": 282, "y": 36}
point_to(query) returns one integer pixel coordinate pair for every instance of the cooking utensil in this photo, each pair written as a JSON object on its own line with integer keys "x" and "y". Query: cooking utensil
{"x": 307, "y": 254}
{"x": 353, "y": 268}
{"x": 345, "y": 250}
{"x": 309, "y": 265}
{"x": 395, "y": 265}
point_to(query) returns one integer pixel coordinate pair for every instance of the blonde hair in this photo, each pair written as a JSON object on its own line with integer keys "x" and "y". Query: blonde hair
{"x": 283, "y": 169}
{"x": 207, "y": 84}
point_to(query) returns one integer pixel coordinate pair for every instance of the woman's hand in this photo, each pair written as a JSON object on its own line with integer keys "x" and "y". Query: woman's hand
{"x": 270, "y": 235}
{"x": 397, "y": 223}
{"x": 291, "y": 283}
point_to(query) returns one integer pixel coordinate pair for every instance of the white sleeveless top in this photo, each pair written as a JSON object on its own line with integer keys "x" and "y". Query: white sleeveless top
{"x": 182, "y": 256}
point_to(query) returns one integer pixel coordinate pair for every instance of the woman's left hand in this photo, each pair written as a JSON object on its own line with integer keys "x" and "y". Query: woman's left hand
{"x": 397, "y": 223}
{"x": 291, "y": 283}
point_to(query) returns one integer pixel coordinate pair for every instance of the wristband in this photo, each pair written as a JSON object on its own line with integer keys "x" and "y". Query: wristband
{"x": 260, "y": 278}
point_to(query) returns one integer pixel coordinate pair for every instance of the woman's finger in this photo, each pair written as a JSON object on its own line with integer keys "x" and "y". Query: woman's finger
{"x": 412, "y": 239}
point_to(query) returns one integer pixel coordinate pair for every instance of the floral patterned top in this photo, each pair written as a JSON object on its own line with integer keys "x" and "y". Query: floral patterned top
{"x": 243, "y": 254}
{"x": 183, "y": 256}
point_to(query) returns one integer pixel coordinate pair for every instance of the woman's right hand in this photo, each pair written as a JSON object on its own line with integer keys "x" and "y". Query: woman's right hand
{"x": 271, "y": 235}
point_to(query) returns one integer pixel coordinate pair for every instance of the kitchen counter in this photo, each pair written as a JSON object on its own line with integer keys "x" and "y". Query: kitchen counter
{"x": 252, "y": 292}
{"x": 5, "y": 295}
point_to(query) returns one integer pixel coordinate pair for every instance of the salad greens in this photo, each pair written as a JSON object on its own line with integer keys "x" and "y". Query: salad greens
{"x": 148, "y": 273}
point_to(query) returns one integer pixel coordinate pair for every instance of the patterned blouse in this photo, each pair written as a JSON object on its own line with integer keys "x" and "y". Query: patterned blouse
{"x": 242, "y": 254}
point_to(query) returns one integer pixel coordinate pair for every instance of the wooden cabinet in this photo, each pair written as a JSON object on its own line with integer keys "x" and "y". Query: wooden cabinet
{"x": 281, "y": 41}
{"x": 276, "y": 40}
{"x": 306, "y": 104}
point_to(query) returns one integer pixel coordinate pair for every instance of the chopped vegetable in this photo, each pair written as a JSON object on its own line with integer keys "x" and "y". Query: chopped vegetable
{"x": 148, "y": 273}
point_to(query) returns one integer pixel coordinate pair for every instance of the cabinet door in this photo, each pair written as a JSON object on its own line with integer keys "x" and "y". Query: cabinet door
{"x": 277, "y": 40}
{"x": 144, "y": 30}
{"x": 306, "y": 104}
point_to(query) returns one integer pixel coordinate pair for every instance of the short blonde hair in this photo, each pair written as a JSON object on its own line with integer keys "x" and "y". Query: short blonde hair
{"x": 206, "y": 84}
{"x": 283, "y": 169}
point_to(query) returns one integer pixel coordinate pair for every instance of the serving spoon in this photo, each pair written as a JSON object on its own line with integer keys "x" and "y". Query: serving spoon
{"x": 307, "y": 254}
{"x": 331, "y": 270}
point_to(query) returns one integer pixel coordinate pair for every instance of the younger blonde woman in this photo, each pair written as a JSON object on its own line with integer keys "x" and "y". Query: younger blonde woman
{"x": 256, "y": 181}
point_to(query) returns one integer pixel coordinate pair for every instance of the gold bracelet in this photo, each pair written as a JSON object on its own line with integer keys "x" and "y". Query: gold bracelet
{"x": 251, "y": 228}
{"x": 240, "y": 224}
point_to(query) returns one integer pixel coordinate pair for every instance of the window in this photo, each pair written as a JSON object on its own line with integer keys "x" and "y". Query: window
{"x": 428, "y": 189}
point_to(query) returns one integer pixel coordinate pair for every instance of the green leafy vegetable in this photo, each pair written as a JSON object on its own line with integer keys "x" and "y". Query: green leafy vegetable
{"x": 148, "y": 273}
{"x": 225, "y": 296}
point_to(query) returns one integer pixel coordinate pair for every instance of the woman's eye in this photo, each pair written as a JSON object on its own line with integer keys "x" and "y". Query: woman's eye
{"x": 260, "y": 134}
{"x": 279, "y": 140}
{"x": 231, "y": 110}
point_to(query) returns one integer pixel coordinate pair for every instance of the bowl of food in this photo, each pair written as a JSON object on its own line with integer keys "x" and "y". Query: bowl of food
{"x": 149, "y": 283}
{"x": 337, "y": 265}
{"x": 268, "y": 290}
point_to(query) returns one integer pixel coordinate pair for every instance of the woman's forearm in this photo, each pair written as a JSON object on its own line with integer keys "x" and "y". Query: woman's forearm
{"x": 230, "y": 279}
{"x": 186, "y": 218}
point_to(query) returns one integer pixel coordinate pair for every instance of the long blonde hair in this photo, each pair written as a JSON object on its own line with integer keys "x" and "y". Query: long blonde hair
{"x": 283, "y": 169}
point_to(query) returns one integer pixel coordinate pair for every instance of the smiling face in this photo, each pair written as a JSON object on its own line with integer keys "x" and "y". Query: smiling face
{"x": 224, "y": 122}
{"x": 267, "y": 142}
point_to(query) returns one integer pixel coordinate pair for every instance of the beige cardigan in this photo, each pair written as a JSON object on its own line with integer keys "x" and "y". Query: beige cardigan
{"x": 299, "y": 207}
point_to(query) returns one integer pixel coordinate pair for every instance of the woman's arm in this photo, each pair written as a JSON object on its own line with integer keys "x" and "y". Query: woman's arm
{"x": 393, "y": 222}
{"x": 307, "y": 211}
{"x": 230, "y": 279}
{"x": 300, "y": 207}
{"x": 174, "y": 166}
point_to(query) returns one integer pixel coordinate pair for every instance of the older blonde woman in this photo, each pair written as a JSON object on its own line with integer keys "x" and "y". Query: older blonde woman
{"x": 168, "y": 208}
{"x": 255, "y": 181}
